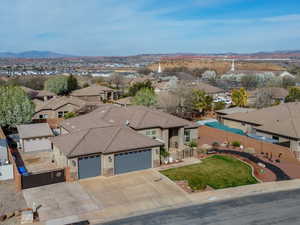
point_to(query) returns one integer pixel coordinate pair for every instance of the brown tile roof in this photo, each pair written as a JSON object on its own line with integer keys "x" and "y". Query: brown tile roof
{"x": 288, "y": 128}
{"x": 37, "y": 93}
{"x": 58, "y": 102}
{"x": 283, "y": 119}
{"x": 113, "y": 139}
{"x": 34, "y": 130}
{"x": 209, "y": 89}
{"x": 93, "y": 90}
{"x": 138, "y": 117}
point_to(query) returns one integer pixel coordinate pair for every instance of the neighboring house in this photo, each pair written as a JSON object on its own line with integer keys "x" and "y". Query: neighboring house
{"x": 34, "y": 137}
{"x": 279, "y": 123}
{"x": 41, "y": 95}
{"x": 96, "y": 93}
{"x": 124, "y": 101}
{"x": 233, "y": 110}
{"x": 164, "y": 86}
{"x": 275, "y": 93}
{"x": 113, "y": 140}
{"x": 207, "y": 88}
{"x": 57, "y": 107}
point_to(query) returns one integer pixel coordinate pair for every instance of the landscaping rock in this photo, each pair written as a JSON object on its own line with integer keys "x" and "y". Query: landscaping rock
{"x": 261, "y": 165}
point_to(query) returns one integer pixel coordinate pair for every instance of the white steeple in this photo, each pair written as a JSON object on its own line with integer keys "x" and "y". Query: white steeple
{"x": 159, "y": 68}
{"x": 232, "y": 66}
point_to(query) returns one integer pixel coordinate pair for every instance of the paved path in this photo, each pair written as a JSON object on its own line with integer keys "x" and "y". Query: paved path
{"x": 278, "y": 208}
{"x": 280, "y": 174}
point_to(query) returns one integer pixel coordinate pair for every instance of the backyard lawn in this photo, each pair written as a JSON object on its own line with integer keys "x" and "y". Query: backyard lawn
{"x": 216, "y": 171}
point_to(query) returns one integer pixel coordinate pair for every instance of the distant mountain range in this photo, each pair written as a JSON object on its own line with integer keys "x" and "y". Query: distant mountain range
{"x": 33, "y": 55}
{"x": 51, "y": 55}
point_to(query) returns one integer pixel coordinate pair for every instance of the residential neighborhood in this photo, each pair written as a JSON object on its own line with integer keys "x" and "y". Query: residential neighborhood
{"x": 150, "y": 112}
{"x": 172, "y": 135}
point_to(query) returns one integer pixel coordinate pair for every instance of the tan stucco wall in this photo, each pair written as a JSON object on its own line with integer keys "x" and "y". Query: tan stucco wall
{"x": 59, "y": 158}
{"x": 108, "y": 164}
{"x": 54, "y": 113}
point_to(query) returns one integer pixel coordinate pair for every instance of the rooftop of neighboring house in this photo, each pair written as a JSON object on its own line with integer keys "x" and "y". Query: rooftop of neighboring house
{"x": 38, "y": 93}
{"x": 93, "y": 90}
{"x": 113, "y": 139}
{"x": 283, "y": 119}
{"x": 207, "y": 88}
{"x": 58, "y": 102}
{"x": 124, "y": 101}
{"x": 275, "y": 92}
{"x": 233, "y": 110}
{"x": 137, "y": 117}
{"x": 34, "y": 130}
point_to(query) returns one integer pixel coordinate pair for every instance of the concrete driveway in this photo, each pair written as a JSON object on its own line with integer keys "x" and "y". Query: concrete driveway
{"x": 60, "y": 200}
{"x": 104, "y": 198}
{"x": 133, "y": 192}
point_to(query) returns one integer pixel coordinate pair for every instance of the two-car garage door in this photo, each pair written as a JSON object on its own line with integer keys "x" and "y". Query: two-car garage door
{"x": 132, "y": 161}
{"x": 123, "y": 162}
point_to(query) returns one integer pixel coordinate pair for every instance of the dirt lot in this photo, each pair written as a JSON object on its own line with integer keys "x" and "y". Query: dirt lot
{"x": 10, "y": 201}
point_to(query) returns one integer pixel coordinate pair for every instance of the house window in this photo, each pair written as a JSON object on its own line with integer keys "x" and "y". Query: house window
{"x": 46, "y": 116}
{"x": 151, "y": 133}
{"x": 41, "y": 116}
{"x": 275, "y": 138}
{"x": 187, "y": 136}
{"x": 60, "y": 114}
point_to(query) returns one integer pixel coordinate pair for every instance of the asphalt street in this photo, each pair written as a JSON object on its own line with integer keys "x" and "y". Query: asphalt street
{"x": 266, "y": 209}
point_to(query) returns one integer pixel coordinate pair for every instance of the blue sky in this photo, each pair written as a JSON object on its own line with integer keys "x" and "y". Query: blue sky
{"x": 127, "y": 27}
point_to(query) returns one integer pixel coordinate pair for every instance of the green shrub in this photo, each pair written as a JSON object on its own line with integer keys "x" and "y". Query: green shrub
{"x": 164, "y": 153}
{"x": 192, "y": 144}
{"x": 236, "y": 144}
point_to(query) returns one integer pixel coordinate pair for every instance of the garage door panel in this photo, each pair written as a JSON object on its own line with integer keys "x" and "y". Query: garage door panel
{"x": 133, "y": 161}
{"x": 89, "y": 167}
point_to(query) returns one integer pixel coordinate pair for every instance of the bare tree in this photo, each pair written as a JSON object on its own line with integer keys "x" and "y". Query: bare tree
{"x": 117, "y": 80}
{"x": 263, "y": 97}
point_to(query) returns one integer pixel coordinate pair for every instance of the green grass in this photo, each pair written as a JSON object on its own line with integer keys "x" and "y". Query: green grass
{"x": 216, "y": 171}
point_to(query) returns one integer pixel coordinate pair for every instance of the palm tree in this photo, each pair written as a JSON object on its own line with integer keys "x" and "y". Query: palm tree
{"x": 202, "y": 102}
{"x": 239, "y": 97}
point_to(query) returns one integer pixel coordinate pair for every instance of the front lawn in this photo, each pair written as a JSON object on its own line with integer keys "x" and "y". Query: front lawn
{"x": 216, "y": 171}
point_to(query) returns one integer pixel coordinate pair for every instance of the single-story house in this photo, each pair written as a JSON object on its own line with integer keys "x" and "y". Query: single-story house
{"x": 106, "y": 151}
{"x": 57, "y": 107}
{"x": 96, "y": 93}
{"x": 280, "y": 123}
{"x": 35, "y": 137}
{"x": 41, "y": 95}
{"x": 207, "y": 88}
{"x": 113, "y": 140}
